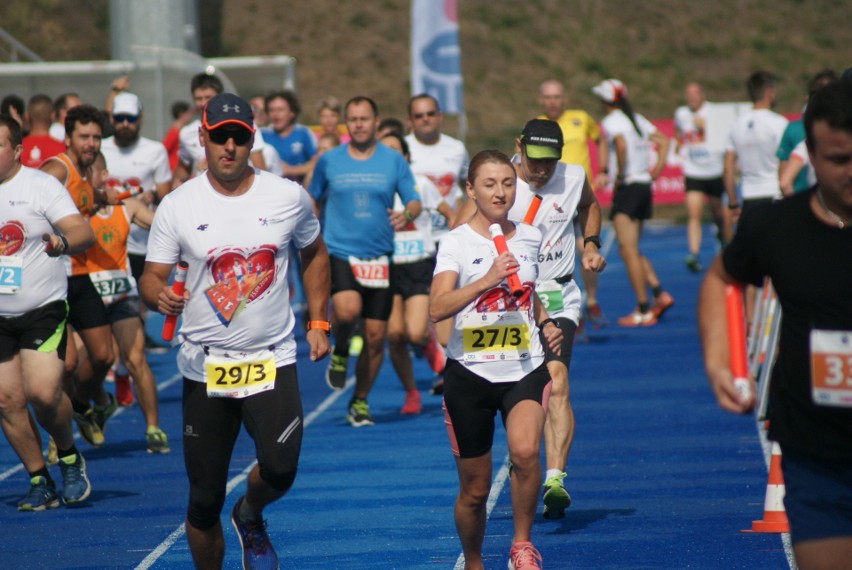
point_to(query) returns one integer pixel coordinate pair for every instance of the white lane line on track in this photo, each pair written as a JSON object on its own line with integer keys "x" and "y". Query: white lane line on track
{"x": 176, "y": 534}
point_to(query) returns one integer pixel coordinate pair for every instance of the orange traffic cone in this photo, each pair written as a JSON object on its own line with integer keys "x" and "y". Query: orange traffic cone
{"x": 774, "y": 516}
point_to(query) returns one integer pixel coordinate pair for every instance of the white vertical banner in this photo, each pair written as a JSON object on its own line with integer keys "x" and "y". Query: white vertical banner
{"x": 435, "y": 53}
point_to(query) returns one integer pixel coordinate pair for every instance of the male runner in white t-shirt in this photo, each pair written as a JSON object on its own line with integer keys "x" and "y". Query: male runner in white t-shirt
{"x": 135, "y": 163}
{"x": 752, "y": 143}
{"x": 565, "y": 195}
{"x": 443, "y": 160}
{"x": 237, "y": 349}
{"x": 33, "y": 310}
{"x": 702, "y": 171}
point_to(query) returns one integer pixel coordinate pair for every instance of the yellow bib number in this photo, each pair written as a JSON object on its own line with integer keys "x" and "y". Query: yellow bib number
{"x": 240, "y": 375}
{"x": 490, "y": 337}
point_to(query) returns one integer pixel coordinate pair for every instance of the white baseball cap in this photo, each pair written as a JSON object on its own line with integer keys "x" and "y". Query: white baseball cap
{"x": 609, "y": 90}
{"x": 126, "y": 104}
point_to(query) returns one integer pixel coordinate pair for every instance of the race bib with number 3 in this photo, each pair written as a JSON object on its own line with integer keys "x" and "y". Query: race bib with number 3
{"x": 550, "y": 294}
{"x": 238, "y": 374}
{"x": 113, "y": 285}
{"x": 831, "y": 368}
{"x": 493, "y": 336}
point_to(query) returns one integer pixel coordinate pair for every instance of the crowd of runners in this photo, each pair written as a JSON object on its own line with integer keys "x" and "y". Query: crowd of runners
{"x": 370, "y": 231}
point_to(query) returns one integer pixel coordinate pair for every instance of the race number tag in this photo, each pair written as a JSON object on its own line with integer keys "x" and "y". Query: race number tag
{"x": 113, "y": 285}
{"x": 10, "y": 274}
{"x": 550, "y": 294}
{"x": 408, "y": 246}
{"x": 493, "y": 336}
{"x": 831, "y": 368}
{"x": 234, "y": 374}
{"x": 371, "y": 273}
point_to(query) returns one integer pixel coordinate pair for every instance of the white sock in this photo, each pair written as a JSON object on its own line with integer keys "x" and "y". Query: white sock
{"x": 552, "y": 473}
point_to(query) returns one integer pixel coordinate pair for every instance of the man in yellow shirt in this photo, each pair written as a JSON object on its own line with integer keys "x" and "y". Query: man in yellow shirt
{"x": 578, "y": 128}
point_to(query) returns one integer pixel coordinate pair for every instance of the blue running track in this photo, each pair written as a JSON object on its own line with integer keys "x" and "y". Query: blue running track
{"x": 660, "y": 477}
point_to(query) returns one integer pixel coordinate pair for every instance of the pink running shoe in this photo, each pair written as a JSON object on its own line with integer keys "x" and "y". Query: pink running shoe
{"x": 412, "y": 403}
{"x": 524, "y": 556}
{"x": 662, "y": 304}
{"x": 637, "y": 319}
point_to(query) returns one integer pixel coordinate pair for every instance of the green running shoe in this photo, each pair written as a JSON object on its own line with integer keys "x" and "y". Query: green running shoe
{"x": 52, "y": 455}
{"x": 358, "y": 413}
{"x": 157, "y": 440}
{"x": 335, "y": 374}
{"x": 556, "y": 498}
{"x": 41, "y": 496}
{"x": 89, "y": 429}
{"x": 103, "y": 413}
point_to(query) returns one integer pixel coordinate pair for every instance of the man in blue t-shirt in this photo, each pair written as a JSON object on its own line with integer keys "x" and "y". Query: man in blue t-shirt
{"x": 356, "y": 184}
{"x": 295, "y": 143}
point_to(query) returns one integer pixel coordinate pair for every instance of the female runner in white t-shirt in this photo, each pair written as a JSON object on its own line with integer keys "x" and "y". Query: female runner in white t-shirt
{"x": 495, "y": 356}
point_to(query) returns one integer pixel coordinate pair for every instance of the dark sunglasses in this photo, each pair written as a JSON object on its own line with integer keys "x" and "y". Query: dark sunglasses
{"x": 220, "y": 136}
{"x": 426, "y": 114}
{"x": 125, "y": 119}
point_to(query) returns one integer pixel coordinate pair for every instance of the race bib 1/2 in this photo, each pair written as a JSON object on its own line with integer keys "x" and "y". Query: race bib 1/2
{"x": 831, "y": 368}
{"x": 371, "y": 273}
{"x": 550, "y": 294}
{"x": 11, "y": 271}
{"x": 113, "y": 285}
{"x": 408, "y": 247}
{"x": 493, "y": 336}
{"x": 234, "y": 374}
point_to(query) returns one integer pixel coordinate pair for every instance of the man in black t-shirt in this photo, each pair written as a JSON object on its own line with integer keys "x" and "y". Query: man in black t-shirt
{"x": 804, "y": 245}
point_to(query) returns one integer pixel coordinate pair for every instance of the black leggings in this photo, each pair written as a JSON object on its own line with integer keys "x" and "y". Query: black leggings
{"x": 273, "y": 419}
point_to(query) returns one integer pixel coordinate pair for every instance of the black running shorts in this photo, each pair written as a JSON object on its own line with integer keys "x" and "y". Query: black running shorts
{"x": 85, "y": 307}
{"x": 713, "y": 187}
{"x": 375, "y": 303}
{"x": 471, "y": 402}
{"x": 42, "y": 329}
{"x": 633, "y": 200}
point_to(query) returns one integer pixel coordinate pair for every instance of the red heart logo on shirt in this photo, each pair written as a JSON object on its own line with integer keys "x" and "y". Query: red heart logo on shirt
{"x": 253, "y": 273}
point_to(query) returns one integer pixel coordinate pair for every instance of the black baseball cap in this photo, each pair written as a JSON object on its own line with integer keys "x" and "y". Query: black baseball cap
{"x": 227, "y": 109}
{"x": 542, "y": 139}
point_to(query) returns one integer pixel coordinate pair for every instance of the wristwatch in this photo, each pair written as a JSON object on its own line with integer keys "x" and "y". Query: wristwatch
{"x": 322, "y": 325}
{"x": 593, "y": 239}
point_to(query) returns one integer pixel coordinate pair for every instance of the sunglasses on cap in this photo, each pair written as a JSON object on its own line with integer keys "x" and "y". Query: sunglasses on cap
{"x": 125, "y": 118}
{"x": 220, "y": 136}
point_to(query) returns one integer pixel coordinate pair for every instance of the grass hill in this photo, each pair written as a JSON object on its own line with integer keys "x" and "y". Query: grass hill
{"x": 346, "y": 48}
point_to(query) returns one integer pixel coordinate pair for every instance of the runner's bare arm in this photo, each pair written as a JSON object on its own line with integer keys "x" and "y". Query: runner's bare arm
{"x": 552, "y": 333}
{"x": 140, "y": 214}
{"x": 55, "y": 168}
{"x": 712, "y": 328}
{"x": 662, "y": 142}
{"x": 316, "y": 278}
{"x": 76, "y": 231}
